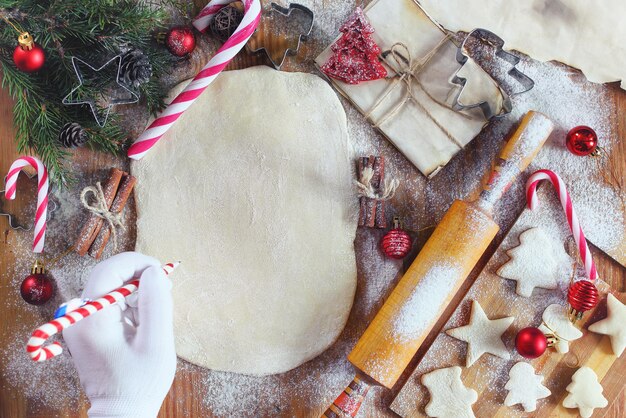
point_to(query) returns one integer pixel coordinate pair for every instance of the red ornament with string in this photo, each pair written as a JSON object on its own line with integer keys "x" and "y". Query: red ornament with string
{"x": 582, "y": 140}
{"x": 397, "y": 242}
{"x": 37, "y": 288}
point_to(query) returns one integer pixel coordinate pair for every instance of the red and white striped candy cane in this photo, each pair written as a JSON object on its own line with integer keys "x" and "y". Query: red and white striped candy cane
{"x": 154, "y": 132}
{"x": 42, "y": 195}
{"x": 35, "y": 345}
{"x": 572, "y": 219}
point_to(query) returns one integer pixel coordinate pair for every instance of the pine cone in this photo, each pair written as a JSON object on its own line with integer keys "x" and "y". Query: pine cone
{"x": 135, "y": 68}
{"x": 72, "y": 135}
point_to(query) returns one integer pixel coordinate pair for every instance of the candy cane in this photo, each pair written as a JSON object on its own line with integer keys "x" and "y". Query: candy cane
{"x": 572, "y": 219}
{"x": 35, "y": 347}
{"x": 154, "y": 132}
{"x": 42, "y": 195}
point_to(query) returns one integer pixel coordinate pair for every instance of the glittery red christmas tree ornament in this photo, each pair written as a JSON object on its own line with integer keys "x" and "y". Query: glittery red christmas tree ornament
{"x": 37, "y": 287}
{"x": 355, "y": 54}
{"x": 582, "y": 296}
{"x": 531, "y": 342}
{"x": 582, "y": 140}
{"x": 397, "y": 242}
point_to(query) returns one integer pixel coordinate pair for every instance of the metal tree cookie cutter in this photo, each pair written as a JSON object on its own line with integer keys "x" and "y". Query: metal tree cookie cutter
{"x": 464, "y": 54}
{"x": 13, "y": 223}
{"x": 307, "y": 16}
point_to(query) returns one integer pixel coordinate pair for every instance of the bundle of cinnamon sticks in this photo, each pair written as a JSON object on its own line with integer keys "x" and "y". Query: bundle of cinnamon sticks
{"x": 372, "y": 211}
{"x": 96, "y": 233}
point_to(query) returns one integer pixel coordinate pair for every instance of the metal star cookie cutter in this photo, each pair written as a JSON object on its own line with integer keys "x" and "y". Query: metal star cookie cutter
{"x": 302, "y": 37}
{"x": 13, "y": 223}
{"x": 463, "y": 55}
{"x": 100, "y": 120}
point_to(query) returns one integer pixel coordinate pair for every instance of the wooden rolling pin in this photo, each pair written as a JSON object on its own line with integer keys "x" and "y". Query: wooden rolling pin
{"x": 420, "y": 298}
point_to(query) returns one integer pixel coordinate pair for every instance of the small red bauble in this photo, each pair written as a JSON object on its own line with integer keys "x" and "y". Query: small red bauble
{"x": 28, "y": 56}
{"x": 531, "y": 342}
{"x": 582, "y": 296}
{"x": 582, "y": 140}
{"x": 180, "y": 41}
{"x": 37, "y": 288}
{"x": 397, "y": 242}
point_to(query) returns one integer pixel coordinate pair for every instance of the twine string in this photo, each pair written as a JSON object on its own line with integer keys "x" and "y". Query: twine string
{"x": 407, "y": 70}
{"x": 101, "y": 210}
{"x": 366, "y": 188}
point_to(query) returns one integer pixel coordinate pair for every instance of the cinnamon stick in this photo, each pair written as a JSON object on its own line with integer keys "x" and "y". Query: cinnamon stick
{"x": 92, "y": 228}
{"x": 372, "y": 211}
{"x": 123, "y": 193}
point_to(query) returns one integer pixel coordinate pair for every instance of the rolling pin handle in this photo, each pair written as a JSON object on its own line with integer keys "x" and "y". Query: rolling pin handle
{"x": 348, "y": 403}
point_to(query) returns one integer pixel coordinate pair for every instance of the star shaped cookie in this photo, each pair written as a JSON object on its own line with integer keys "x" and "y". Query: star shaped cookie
{"x": 614, "y": 325}
{"x": 538, "y": 261}
{"x": 482, "y": 335}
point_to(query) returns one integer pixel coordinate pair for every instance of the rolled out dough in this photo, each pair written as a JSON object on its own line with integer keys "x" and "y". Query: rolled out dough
{"x": 252, "y": 190}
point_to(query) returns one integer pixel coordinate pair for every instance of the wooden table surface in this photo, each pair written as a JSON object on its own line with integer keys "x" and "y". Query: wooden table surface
{"x": 425, "y": 208}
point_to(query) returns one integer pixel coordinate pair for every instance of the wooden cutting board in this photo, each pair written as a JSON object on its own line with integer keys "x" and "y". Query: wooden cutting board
{"x": 498, "y": 298}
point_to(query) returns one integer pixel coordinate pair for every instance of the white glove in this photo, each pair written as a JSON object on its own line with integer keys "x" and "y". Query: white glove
{"x": 125, "y": 356}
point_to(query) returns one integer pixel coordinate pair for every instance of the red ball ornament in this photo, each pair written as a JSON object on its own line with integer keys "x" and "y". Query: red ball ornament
{"x": 37, "y": 287}
{"x": 180, "y": 41}
{"x": 531, "y": 342}
{"x": 582, "y": 296}
{"x": 582, "y": 140}
{"x": 28, "y": 56}
{"x": 396, "y": 243}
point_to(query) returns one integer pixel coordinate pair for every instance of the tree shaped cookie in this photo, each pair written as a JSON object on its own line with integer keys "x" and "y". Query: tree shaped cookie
{"x": 614, "y": 325}
{"x": 482, "y": 335}
{"x": 539, "y": 261}
{"x": 449, "y": 398}
{"x": 555, "y": 322}
{"x": 585, "y": 393}
{"x": 525, "y": 387}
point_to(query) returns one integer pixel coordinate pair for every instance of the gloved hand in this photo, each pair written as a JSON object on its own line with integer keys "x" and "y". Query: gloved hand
{"x": 125, "y": 355}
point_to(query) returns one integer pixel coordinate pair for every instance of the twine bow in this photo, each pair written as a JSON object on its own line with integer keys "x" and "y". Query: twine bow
{"x": 398, "y": 58}
{"x": 101, "y": 210}
{"x": 366, "y": 188}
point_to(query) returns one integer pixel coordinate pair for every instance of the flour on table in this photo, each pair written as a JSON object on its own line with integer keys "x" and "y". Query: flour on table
{"x": 449, "y": 398}
{"x": 252, "y": 190}
{"x": 614, "y": 325}
{"x": 525, "y": 387}
{"x": 483, "y": 335}
{"x": 556, "y": 322}
{"x": 585, "y": 392}
{"x": 539, "y": 261}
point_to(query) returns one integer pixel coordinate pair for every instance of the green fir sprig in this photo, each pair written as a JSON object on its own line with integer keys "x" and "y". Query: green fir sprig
{"x": 94, "y": 31}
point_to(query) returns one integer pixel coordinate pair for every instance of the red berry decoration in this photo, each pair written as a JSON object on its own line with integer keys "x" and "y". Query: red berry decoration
{"x": 37, "y": 287}
{"x": 582, "y": 296}
{"x": 180, "y": 41}
{"x": 582, "y": 140}
{"x": 531, "y": 342}
{"x": 396, "y": 243}
{"x": 28, "y": 56}
{"x": 355, "y": 54}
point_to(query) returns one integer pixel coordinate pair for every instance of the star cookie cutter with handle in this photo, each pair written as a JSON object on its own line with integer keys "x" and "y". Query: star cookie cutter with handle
{"x": 307, "y": 17}
{"x": 464, "y": 54}
{"x": 12, "y": 219}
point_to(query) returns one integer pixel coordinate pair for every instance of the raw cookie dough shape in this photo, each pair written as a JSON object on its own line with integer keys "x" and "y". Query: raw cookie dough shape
{"x": 252, "y": 190}
{"x": 483, "y": 335}
{"x": 538, "y": 261}
{"x": 585, "y": 392}
{"x": 614, "y": 325}
{"x": 556, "y": 322}
{"x": 449, "y": 398}
{"x": 525, "y": 387}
